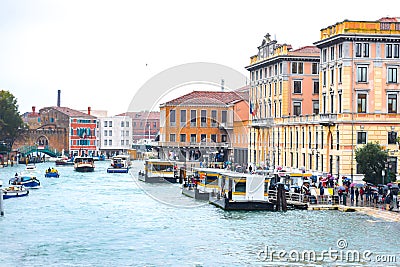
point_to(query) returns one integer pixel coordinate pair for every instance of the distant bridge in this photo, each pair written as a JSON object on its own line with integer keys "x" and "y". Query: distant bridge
{"x": 26, "y": 150}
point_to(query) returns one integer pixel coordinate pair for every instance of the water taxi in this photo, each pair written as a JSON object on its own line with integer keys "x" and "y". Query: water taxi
{"x": 242, "y": 191}
{"x": 27, "y": 180}
{"x": 120, "y": 164}
{"x": 84, "y": 164}
{"x": 158, "y": 171}
{"x": 14, "y": 191}
{"x": 202, "y": 183}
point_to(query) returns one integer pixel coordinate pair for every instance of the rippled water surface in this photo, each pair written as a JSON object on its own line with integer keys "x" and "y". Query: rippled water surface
{"x": 101, "y": 219}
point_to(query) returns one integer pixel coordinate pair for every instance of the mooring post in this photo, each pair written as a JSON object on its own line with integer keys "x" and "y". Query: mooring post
{"x": 281, "y": 198}
{"x": 1, "y": 202}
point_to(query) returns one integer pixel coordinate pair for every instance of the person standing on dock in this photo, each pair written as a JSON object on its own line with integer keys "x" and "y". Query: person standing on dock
{"x": 357, "y": 193}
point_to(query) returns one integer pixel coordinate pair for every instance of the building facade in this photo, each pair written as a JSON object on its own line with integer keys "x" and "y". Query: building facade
{"x": 199, "y": 127}
{"x": 145, "y": 125}
{"x": 114, "y": 134}
{"x": 352, "y": 91}
{"x": 284, "y": 94}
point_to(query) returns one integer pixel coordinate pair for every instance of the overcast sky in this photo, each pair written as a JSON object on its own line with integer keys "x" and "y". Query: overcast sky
{"x": 99, "y": 53}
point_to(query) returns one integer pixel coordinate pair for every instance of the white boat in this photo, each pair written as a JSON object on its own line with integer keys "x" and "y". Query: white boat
{"x": 15, "y": 191}
{"x": 30, "y": 167}
{"x": 84, "y": 164}
{"x": 120, "y": 164}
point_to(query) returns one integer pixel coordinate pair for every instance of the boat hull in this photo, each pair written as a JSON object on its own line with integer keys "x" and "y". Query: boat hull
{"x": 84, "y": 169}
{"x": 15, "y": 193}
{"x": 225, "y": 204}
{"x": 117, "y": 170}
{"x": 52, "y": 175}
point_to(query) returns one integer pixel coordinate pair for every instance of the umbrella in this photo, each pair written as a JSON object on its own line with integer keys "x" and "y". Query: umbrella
{"x": 359, "y": 185}
{"x": 395, "y": 186}
{"x": 352, "y": 184}
{"x": 341, "y": 188}
{"x": 389, "y": 184}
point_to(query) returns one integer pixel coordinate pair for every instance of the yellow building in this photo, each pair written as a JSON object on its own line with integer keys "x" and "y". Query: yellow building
{"x": 284, "y": 94}
{"x": 359, "y": 91}
{"x": 352, "y": 98}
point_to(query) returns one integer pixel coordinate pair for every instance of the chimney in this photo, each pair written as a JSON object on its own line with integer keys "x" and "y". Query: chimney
{"x": 88, "y": 110}
{"x": 59, "y": 98}
{"x": 33, "y": 110}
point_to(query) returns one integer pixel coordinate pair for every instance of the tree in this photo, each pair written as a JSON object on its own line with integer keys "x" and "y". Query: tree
{"x": 371, "y": 160}
{"x": 10, "y": 120}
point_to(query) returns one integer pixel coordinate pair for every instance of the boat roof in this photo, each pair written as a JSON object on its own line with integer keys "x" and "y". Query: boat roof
{"x": 155, "y": 161}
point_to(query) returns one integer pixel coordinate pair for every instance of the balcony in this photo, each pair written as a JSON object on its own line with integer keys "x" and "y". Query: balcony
{"x": 262, "y": 123}
{"x": 194, "y": 144}
{"x": 328, "y": 119}
{"x": 225, "y": 126}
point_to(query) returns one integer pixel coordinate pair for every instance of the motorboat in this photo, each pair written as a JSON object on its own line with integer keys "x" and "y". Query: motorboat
{"x": 119, "y": 164}
{"x": 30, "y": 167}
{"x": 14, "y": 191}
{"x": 64, "y": 162}
{"x": 51, "y": 172}
{"x": 84, "y": 164}
{"x": 27, "y": 180}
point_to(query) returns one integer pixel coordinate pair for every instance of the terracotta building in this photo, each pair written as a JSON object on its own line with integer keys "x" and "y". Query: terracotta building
{"x": 199, "y": 126}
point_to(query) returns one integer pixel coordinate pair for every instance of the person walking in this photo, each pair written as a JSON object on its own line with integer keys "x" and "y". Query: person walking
{"x": 362, "y": 194}
{"x": 357, "y": 193}
{"x": 352, "y": 194}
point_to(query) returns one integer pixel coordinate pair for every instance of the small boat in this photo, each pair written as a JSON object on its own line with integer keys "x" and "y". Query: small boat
{"x": 26, "y": 180}
{"x": 30, "y": 167}
{"x": 64, "y": 162}
{"x": 119, "y": 164}
{"x": 51, "y": 172}
{"x": 84, "y": 164}
{"x": 15, "y": 191}
{"x": 159, "y": 171}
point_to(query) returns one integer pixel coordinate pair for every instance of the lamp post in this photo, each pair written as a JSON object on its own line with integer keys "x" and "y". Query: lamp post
{"x": 383, "y": 175}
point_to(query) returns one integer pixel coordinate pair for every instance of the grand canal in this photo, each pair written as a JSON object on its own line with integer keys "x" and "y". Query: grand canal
{"x": 100, "y": 219}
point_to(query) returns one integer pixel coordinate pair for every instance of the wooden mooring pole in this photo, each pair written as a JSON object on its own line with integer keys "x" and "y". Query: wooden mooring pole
{"x": 281, "y": 204}
{"x": 1, "y": 202}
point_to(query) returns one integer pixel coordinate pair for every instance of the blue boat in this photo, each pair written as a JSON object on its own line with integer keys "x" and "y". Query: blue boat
{"x": 119, "y": 164}
{"x": 15, "y": 191}
{"x": 26, "y": 180}
{"x": 51, "y": 173}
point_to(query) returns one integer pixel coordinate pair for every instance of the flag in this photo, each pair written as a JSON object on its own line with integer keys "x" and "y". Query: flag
{"x": 251, "y": 108}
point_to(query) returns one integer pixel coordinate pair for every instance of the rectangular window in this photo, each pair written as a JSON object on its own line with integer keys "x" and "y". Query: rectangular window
{"x": 296, "y": 108}
{"x": 110, "y": 142}
{"x": 332, "y": 52}
{"x": 297, "y": 87}
{"x": 392, "y": 75}
{"x": 110, "y": 124}
{"x": 294, "y": 67}
{"x": 392, "y": 103}
{"x": 362, "y": 103}
{"x": 127, "y": 124}
{"x": 361, "y": 138}
{"x": 223, "y": 116}
{"x": 122, "y": 124}
{"x": 203, "y": 138}
{"x": 396, "y": 50}
{"x": 332, "y": 76}
{"x": 183, "y": 118}
{"x": 105, "y": 132}
{"x": 316, "y": 107}
{"x": 324, "y": 55}
{"x": 316, "y": 87}
{"x": 340, "y": 50}
{"x": 324, "y": 78}
{"x": 172, "y": 119}
{"x": 183, "y": 138}
{"x": 105, "y": 123}
{"x": 224, "y": 138}
{"x": 365, "y": 50}
{"x": 172, "y": 138}
{"x": 340, "y": 74}
{"x": 193, "y": 138}
{"x": 213, "y": 118}
{"x": 297, "y": 67}
{"x": 314, "y": 68}
{"x": 388, "y": 51}
{"x": 122, "y": 142}
{"x": 337, "y": 140}
{"x": 214, "y": 138}
{"x": 340, "y": 103}
{"x": 203, "y": 118}
{"x": 358, "y": 50}
{"x": 392, "y": 138}
{"x": 362, "y": 74}
{"x": 193, "y": 120}
{"x": 110, "y": 133}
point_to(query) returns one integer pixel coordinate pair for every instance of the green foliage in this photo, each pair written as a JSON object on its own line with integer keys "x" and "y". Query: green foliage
{"x": 371, "y": 160}
{"x": 10, "y": 119}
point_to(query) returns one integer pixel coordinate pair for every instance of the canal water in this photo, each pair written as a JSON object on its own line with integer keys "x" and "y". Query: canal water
{"x": 101, "y": 219}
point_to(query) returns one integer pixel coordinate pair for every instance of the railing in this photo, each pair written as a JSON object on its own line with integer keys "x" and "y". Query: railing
{"x": 193, "y": 144}
{"x": 328, "y": 119}
{"x": 267, "y": 123}
{"x": 301, "y": 198}
{"x": 46, "y": 149}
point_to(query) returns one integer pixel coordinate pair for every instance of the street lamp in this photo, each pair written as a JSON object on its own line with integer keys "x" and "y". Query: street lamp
{"x": 383, "y": 176}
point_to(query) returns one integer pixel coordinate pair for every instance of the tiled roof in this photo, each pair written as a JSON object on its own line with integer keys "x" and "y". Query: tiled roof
{"x": 208, "y": 98}
{"x": 70, "y": 112}
{"x": 386, "y": 19}
{"x": 307, "y": 49}
{"x": 152, "y": 115}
